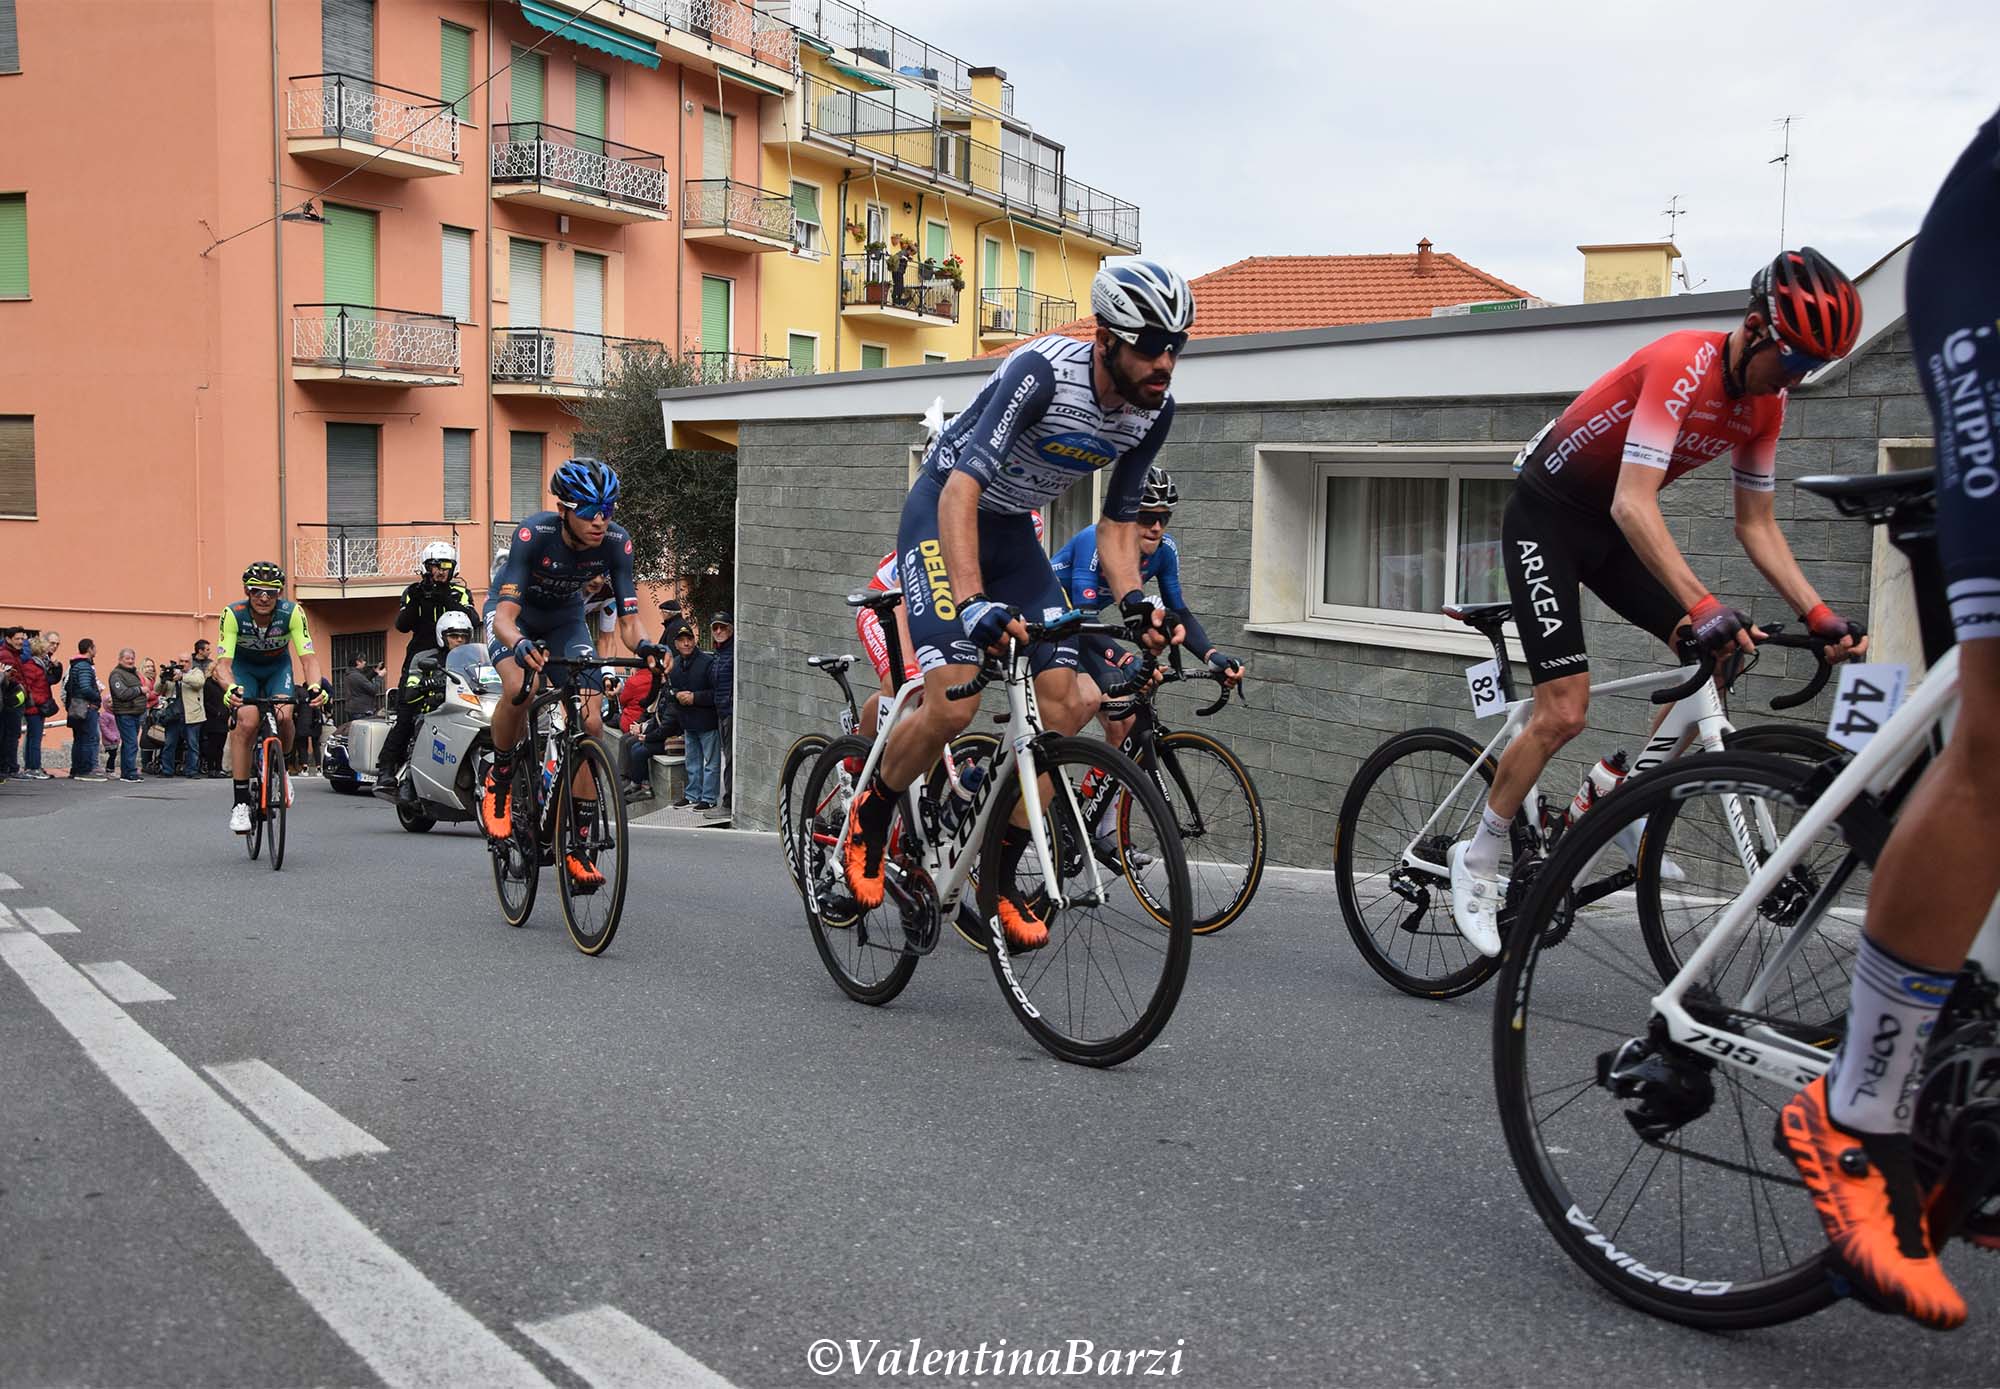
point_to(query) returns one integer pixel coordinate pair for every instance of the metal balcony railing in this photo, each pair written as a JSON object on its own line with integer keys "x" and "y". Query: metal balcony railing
{"x": 332, "y": 553}
{"x": 872, "y": 280}
{"x": 845, "y": 26}
{"x": 367, "y": 337}
{"x": 1023, "y": 311}
{"x": 539, "y": 153}
{"x": 1096, "y": 213}
{"x": 715, "y": 368}
{"x": 337, "y": 104}
{"x": 733, "y": 24}
{"x": 559, "y": 357}
{"x": 733, "y": 206}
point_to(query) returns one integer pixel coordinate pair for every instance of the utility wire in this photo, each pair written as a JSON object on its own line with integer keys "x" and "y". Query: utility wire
{"x": 442, "y": 108}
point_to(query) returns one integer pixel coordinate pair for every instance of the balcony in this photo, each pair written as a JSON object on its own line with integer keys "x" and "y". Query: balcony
{"x": 717, "y": 368}
{"x": 339, "y": 119}
{"x": 365, "y": 342}
{"x": 350, "y": 561}
{"x": 904, "y": 130}
{"x": 865, "y": 36}
{"x": 869, "y": 288}
{"x": 734, "y": 35}
{"x": 558, "y": 362}
{"x": 1006, "y": 314}
{"x": 734, "y": 216}
{"x": 546, "y": 166}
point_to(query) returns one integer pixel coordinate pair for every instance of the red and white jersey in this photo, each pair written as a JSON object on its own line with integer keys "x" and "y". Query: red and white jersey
{"x": 1663, "y": 407}
{"x": 885, "y": 580}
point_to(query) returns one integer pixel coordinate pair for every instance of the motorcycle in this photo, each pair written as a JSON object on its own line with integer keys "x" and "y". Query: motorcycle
{"x": 451, "y": 751}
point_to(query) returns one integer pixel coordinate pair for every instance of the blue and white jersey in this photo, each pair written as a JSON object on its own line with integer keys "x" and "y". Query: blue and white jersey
{"x": 1036, "y": 428}
{"x": 1082, "y": 577}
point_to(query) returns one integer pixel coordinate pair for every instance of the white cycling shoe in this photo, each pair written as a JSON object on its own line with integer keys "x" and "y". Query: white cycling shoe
{"x": 288, "y": 790}
{"x": 1475, "y": 903}
{"x": 1628, "y": 840}
{"x": 239, "y": 818}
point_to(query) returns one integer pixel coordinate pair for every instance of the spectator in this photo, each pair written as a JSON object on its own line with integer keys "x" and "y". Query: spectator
{"x": 722, "y": 634}
{"x": 13, "y": 700}
{"x": 692, "y": 681}
{"x": 214, "y": 712}
{"x": 182, "y": 755}
{"x": 364, "y": 688}
{"x": 82, "y": 696}
{"x": 638, "y": 695}
{"x": 108, "y": 734}
{"x": 128, "y": 707}
{"x": 671, "y": 621}
{"x": 152, "y": 726}
{"x": 37, "y": 678}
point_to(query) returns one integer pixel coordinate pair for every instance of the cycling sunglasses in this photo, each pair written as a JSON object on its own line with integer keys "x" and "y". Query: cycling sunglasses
{"x": 592, "y": 513}
{"x": 1151, "y": 342}
{"x": 1799, "y": 363}
{"x": 1155, "y": 518}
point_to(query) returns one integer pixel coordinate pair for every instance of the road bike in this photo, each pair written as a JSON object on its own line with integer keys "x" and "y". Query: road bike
{"x": 1422, "y": 791}
{"x": 267, "y": 783}
{"x": 1640, "y": 1116}
{"x": 548, "y": 829}
{"x": 1106, "y": 981}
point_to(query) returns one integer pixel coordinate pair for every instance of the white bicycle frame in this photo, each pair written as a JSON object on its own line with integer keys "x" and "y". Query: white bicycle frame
{"x": 1766, "y": 1052}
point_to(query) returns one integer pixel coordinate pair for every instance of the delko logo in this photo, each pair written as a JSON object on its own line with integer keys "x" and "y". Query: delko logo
{"x": 937, "y": 580}
{"x": 1078, "y": 452}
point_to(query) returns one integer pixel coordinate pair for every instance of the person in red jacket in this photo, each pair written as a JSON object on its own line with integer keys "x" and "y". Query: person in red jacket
{"x": 635, "y": 696}
{"x": 33, "y": 674}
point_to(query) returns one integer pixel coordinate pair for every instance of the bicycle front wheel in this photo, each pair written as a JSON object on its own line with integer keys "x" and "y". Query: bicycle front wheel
{"x": 517, "y": 859}
{"x": 798, "y": 765}
{"x": 1221, "y": 824}
{"x": 591, "y": 830}
{"x": 1106, "y": 981}
{"x": 274, "y": 799}
{"x": 253, "y": 842}
{"x": 1654, "y": 1166}
{"x": 863, "y": 951}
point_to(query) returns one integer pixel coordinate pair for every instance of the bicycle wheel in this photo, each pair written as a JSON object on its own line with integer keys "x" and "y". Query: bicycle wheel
{"x": 254, "y": 841}
{"x": 595, "y": 833}
{"x": 1671, "y": 1194}
{"x": 863, "y": 951}
{"x": 1105, "y": 983}
{"x": 274, "y": 799}
{"x": 799, "y": 759}
{"x": 1408, "y": 799}
{"x": 1221, "y": 823}
{"x": 517, "y": 859}
{"x": 1783, "y": 739}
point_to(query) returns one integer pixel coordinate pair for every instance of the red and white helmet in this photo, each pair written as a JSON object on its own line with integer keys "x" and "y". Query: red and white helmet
{"x": 1812, "y": 307}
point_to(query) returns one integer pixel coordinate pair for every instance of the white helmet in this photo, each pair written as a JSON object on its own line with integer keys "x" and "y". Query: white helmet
{"x": 454, "y": 622}
{"x": 1130, "y": 294}
{"x": 439, "y": 552}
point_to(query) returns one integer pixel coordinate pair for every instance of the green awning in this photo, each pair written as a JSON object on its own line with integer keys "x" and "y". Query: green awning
{"x": 858, "y": 75}
{"x": 751, "y": 82}
{"x": 589, "y": 33}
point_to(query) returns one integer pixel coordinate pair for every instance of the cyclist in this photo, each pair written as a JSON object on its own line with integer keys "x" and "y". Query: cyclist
{"x": 251, "y": 663}
{"x": 1586, "y": 513}
{"x": 538, "y": 596}
{"x": 425, "y": 603}
{"x": 1936, "y": 880}
{"x": 1056, "y": 411}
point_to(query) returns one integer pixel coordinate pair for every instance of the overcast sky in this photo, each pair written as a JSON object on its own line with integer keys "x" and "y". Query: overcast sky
{"x": 1506, "y": 133}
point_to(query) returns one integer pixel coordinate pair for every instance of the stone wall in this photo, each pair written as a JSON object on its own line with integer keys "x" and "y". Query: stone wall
{"x": 819, "y": 501}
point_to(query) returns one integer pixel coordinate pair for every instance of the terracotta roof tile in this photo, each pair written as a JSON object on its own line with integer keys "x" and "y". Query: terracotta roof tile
{"x": 1277, "y": 294}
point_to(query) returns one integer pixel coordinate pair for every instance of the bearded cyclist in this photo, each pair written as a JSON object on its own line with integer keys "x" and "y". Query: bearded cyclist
{"x": 1055, "y": 412}
{"x": 252, "y": 662}
{"x": 1586, "y": 514}
{"x": 538, "y": 597}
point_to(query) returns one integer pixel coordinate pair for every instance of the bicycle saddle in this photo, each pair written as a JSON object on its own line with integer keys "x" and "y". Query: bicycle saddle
{"x": 882, "y": 604}
{"x": 841, "y": 662}
{"x": 1481, "y": 617}
{"x": 1874, "y": 495}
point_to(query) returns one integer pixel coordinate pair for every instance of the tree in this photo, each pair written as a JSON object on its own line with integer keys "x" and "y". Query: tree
{"x": 678, "y": 504}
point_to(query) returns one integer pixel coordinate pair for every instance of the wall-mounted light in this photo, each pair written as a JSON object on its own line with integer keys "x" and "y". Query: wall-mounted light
{"x": 562, "y": 224}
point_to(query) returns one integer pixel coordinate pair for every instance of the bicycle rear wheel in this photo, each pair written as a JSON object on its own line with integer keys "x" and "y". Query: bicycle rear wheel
{"x": 274, "y": 799}
{"x": 595, "y": 835}
{"x": 517, "y": 859}
{"x": 254, "y": 841}
{"x": 1106, "y": 981}
{"x": 1661, "y": 1181}
{"x": 863, "y": 951}
{"x": 798, "y": 764}
{"x": 1221, "y": 824}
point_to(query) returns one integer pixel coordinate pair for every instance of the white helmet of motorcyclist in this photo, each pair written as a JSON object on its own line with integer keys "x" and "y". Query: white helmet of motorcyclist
{"x": 454, "y": 622}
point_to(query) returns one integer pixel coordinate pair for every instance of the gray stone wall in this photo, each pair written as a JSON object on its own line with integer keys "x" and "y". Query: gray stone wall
{"x": 819, "y": 503}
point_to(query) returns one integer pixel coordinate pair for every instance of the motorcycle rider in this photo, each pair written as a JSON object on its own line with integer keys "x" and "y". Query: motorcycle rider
{"x": 425, "y": 603}
{"x": 422, "y": 690}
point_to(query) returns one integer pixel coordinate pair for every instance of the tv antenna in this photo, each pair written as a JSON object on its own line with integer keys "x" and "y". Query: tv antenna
{"x": 1784, "y": 123}
{"x": 1673, "y": 213}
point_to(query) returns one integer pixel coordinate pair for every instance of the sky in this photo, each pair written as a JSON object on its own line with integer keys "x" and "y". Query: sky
{"x": 1506, "y": 133}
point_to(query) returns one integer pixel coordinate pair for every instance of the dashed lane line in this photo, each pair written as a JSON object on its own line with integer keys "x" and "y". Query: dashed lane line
{"x": 609, "y": 1350}
{"x": 125, "y": 984}
{"x": 309, "y": 1126}
{"x": 47, "y": 921}
{"x": 8, "y": 884}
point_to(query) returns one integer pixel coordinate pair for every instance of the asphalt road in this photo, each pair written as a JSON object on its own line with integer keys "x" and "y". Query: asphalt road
{"x": 434, "y": 1150}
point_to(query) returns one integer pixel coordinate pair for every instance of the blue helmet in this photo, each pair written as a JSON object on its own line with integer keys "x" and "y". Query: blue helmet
{"x": 584, "y": 482}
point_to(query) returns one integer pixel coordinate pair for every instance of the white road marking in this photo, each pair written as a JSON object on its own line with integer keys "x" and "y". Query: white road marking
{"x": 7, "y": 884}
{"x": 309, "y": 1126}
{"x": 8, "y": 922}
{"x": 125, "y": 984}
{"x": 395, "y": 1319}
{"x": 47, "y": 920}
{"x": 609, "y": 1350}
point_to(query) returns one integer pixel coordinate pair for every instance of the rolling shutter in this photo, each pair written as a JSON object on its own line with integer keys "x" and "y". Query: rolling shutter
{"x": 589, "y": 301}
{"x": 937, "y": 241}
{"x": 524, "y": 283}
{"x": 805, "y": 210}
{"x": 458, "y": 475}
{"x": 17, "y": 465}
{"x": 350, "y": 255}
{"x": 529, "y": 76}
{"x": 455, "y": 68}
{"x": 989, "y": 270}
{"x": 10, "y": 42}
{"x": 524, "y": 474}
{"x": 347, "y": 37}
{"x": 593, "y": 100}
{"x": 351, "y": 472}
{"x": 718, "y": 139}
{"x": 804, "y": 352}
{"x": 457, "y": 295}
{"x": 13, "y": 245}
{"x": 873, "y": 358}
{"x": 715, "y": 296}
{"x": 1025, "y": 266}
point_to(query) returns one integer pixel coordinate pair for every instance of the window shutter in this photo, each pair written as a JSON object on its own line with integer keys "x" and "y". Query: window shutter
{"x": 804, "y": 352}
{"x": 455, "y": 68}
{"x": 457, "y": 295}
{"x": 17, "y": 465}
{"x": 350, "y": 255}
{"x": 1025, "y": 267}
{"x": 805, "y": 203}
{"x": 937, "y": 241}
{"x": 524, "y": 474}
{"x": 458, "y": 475}
{"x": 347, "y": 37}
{"x": 524, "y": 283}
{"x": 718, "y": 137}
{"x": 593, "y": 102}
{"x": 589, "y": 293}
{"x": 528, "y": 78}
{"x": 13, "y": 245}
{"x": 10, "y": 41}
{"x": 989, "y": 274}
{"x": 873, "y": 358}
{"x": 715, "y": 294}
{"x": 351, "y": 473}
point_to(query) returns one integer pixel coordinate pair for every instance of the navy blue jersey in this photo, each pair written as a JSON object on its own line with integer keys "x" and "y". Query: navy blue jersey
{"x": 546, "y": 575}
{"x": 1082, "y": 577}
{"x": 1036, "y": 428}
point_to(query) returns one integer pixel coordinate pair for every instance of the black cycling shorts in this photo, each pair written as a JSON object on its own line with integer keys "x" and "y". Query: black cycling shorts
{"x": 1954, "y": 318}
{"x": 1551, "y": 551}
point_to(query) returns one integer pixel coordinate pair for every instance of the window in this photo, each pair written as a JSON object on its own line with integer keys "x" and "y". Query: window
{"x": 457, "y": 296}
{"x": 524, "y": 283}
{"x": 524, "y": 473}
{"x": 458, "y": 475}
{"x": 13, "y": 245}
{"x": 527, "y": 86}
{"x": 347, "y": 37}
{"x": 718, "y": 314}
{"x": 931, "y": 358}
{"x": 803, "y": 350}
{"x": 455, "y": 68}
{"x": 593, "y": 108}
{"x": 937, "y": 240}
{"x": 10, "y": 40}
{"x": 873, "y": 357}
{"x": 878, "y": 223}
{"x": 353, "y": 473}
{"x": 1400, "y": 540}
{"x": 806, "y": 229}
{"x": 17, "y": 465}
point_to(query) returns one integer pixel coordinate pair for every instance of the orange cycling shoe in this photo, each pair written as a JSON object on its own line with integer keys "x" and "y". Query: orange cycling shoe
{"x": 583, "y": 870}
{"x": 495, "y": 815}
{"x": 1865, "y": 1190}
{"x": 1022, "y": 923}
{"x": 863, "y": 859}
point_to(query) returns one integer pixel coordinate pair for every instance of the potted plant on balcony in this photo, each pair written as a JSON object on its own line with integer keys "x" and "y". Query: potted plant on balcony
{"x": 952, "y": 268}
{"x": 858, "y": 232}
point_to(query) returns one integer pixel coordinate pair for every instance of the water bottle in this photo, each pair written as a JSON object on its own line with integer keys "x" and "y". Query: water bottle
{"x": 1602, "y": 780}
{"x": 956, "y": 802}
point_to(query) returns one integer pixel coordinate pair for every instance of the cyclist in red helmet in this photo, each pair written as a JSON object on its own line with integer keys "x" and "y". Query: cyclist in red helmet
{"x": 1587, "y": 515}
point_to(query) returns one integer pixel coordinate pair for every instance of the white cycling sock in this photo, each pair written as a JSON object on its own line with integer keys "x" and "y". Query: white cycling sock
{"x": 1890, "y": 1014}
{"x": 1488, "y": 840}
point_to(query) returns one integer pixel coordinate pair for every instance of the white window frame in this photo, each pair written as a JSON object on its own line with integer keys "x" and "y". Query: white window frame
{"x": 932, "y": 359}
{"x": 873, "y": 215}
{"x": 924, "y": 249}
{"x": 1318, "y": 609}
{"x": 863, "y": 346}
{"x": 791, "y": 333}
{"x": 802, "y": 247}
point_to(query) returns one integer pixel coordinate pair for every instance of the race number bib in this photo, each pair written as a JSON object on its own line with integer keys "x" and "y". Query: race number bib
{"x": 1484, "y": 682}
{"x": 1867, "y": 697}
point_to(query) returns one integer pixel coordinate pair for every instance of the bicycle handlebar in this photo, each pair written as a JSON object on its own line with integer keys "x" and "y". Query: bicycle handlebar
{"x": 1774, "y": 635}
{"x": 534, "y": 676}
{"x": 1070, "y": 624}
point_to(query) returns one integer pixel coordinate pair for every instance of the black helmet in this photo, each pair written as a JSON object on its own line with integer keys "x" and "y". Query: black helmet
{"x": 1159, "y": 493}
{"x": 264, "y": 574}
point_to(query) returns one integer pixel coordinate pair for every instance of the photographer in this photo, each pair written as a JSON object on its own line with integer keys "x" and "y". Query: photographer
{"x": 364, "y": 688}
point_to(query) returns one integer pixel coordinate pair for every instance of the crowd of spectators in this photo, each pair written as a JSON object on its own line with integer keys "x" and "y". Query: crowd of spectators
{"x": 688, "y": 695}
